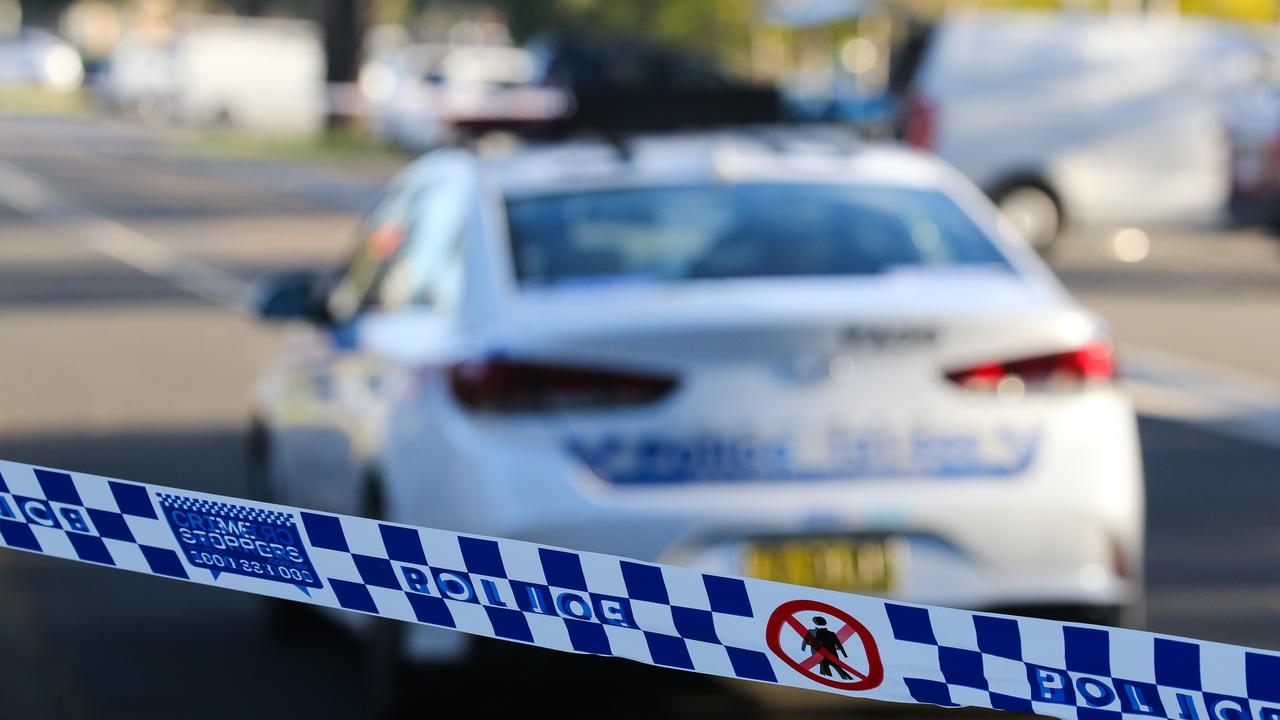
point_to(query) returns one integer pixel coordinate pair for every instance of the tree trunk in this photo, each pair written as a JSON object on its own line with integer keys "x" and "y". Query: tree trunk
{"x": 252, "y": 8}
{"x": 344, "y": 24}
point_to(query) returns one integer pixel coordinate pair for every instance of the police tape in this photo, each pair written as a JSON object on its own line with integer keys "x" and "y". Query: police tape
{"x": 662, "y": 615}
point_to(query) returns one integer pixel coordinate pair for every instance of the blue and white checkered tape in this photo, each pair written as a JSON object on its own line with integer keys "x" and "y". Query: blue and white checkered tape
{"x": 658, "y": 614}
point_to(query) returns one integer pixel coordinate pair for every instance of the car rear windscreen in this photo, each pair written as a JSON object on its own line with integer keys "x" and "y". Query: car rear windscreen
{"x": 669, "y": 234}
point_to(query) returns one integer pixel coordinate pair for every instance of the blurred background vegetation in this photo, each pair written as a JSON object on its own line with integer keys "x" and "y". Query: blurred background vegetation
{"x": 720, "y": 28}
{"x": 806, "y": 46}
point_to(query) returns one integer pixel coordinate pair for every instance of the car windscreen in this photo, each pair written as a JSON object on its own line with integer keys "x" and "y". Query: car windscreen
{"x": 669, "y": 234}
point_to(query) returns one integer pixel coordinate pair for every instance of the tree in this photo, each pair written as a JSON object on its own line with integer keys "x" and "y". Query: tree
{"x": 343, "y": 23}
{"x": 42, "y": 12}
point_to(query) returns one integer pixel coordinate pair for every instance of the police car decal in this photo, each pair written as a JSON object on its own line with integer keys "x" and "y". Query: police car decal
{"x": 658, "y": 614}
{"x": 839, "y": 453}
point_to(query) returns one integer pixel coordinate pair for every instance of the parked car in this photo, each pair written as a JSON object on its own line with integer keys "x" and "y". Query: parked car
{"x": 38, "y": 58}
{"x": 253, "y": 74}
{"x": 1253, "y": 127}
{"x": 1087, "y": 118}
{"x": 780, "y": 353}
{"x": 139, "y": 77}
{"x": 873, "y": 115}
{"x": 418, "y": 95}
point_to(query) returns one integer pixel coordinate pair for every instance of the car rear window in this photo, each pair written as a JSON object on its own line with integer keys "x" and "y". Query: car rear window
{"x": 669, "y": 234}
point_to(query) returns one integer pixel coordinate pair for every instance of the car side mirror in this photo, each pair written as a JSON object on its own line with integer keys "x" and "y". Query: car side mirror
{"x": 289, "y": 295}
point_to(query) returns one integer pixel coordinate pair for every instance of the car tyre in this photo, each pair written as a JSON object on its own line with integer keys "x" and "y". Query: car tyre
{"x": 1132, "y": 616}
{"x": 285, "y": 620}
{"x": 387, "y": 675}
{"x": 1034, "y": 212}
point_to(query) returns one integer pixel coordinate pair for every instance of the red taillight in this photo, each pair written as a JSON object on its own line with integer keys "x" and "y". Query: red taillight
{"x": 920, "y": 122}
{"x": 1093, "y": 362}
{"x": 504, "y": 385}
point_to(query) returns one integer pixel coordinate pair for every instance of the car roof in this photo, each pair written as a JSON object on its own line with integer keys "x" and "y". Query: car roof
{"x": 763, "y": 154}
{"x": 807, "y": 153}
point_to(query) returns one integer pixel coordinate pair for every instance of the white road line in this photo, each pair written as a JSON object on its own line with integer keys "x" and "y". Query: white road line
{"x": 1209, "y": 395}
{"x": 34, "y": 198}
{"x": 1164, "y": 384}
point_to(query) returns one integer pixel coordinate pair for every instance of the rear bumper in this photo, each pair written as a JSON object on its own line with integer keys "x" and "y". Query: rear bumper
{"x": 962, "y": 546}
{"x": 1066, "y": 533}
{"x": 984, "y": 549}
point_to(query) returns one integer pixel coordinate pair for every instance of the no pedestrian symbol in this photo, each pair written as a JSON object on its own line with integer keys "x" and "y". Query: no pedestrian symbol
{"x": 825, "y": 644}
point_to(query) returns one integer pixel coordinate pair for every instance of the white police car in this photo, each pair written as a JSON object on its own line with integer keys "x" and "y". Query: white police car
{"x": 766, "y": 352}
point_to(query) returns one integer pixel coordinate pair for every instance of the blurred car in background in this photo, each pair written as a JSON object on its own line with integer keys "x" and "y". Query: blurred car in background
{"x": 769, "y": 352}
{"x": 417, "y": 95}
{"x": 38, "y": 58}
{"x": 1253, "y": 127}
{"x": 254, "y": 74}
{"x": 427, "y": 95}
{"x": 139, "y": 78}
{"x": 618, "y": 86}
{"x": 258, "y": 75}
{"x": 872, "y": 115}
{"x": 1079, "y": 117}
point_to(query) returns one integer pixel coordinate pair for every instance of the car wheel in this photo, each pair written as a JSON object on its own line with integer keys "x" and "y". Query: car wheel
{"x": 285, "y": 620}
{"x": 386, "y": 674}
{"x": 1034, "y": 212}
{"x": 1132, "y": 616}
{"x": 257, "y": 481}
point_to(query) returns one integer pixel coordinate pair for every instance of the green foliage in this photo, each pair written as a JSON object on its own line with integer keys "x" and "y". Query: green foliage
{"x": 42, "y": 12}
{"x": 1247, "y": 10}
{"x": 698, "y": 23}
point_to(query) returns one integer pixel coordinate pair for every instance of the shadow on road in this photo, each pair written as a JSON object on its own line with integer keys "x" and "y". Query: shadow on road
{"x": 109, "y": 644}
{"x": 131, "y": 646}
{"x": 1213, "y": 558}
{"x": 102, "y": 285}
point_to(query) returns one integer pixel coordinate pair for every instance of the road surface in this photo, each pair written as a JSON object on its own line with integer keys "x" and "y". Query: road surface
{"x": 122, "y": 258}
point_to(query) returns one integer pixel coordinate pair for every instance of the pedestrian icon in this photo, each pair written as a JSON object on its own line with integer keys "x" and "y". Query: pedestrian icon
{"x": 819, "y": 639}
{"x": 825, "y": 644}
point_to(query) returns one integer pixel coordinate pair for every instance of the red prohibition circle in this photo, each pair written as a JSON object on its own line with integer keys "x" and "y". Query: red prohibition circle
{"x": 784, "y": 618}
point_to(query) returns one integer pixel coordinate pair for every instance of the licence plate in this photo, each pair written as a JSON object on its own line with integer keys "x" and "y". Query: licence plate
{"x": 864, "y": 565}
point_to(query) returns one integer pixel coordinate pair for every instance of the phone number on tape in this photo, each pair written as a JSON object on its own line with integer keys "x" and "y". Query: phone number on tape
{"x": 222, "y": 537}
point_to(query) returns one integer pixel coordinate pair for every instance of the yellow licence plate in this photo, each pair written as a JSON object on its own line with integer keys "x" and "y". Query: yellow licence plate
{"x": 861, "y": 565}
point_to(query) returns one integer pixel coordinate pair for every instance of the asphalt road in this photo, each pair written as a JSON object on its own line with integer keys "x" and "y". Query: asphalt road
{"x": 118, "y": 356}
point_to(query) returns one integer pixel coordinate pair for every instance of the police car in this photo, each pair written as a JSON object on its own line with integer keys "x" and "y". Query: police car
{"x": 769, "y": 352}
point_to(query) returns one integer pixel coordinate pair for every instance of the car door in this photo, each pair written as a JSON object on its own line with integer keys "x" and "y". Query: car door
{"x": 403, "y": 278}
{"x": 332, "y": 385}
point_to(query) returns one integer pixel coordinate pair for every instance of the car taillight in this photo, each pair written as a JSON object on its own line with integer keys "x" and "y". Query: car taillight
{"x": 920, "y": 122}
{"x": 504, "y": 385}
{"x": 1093, "y": 362}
